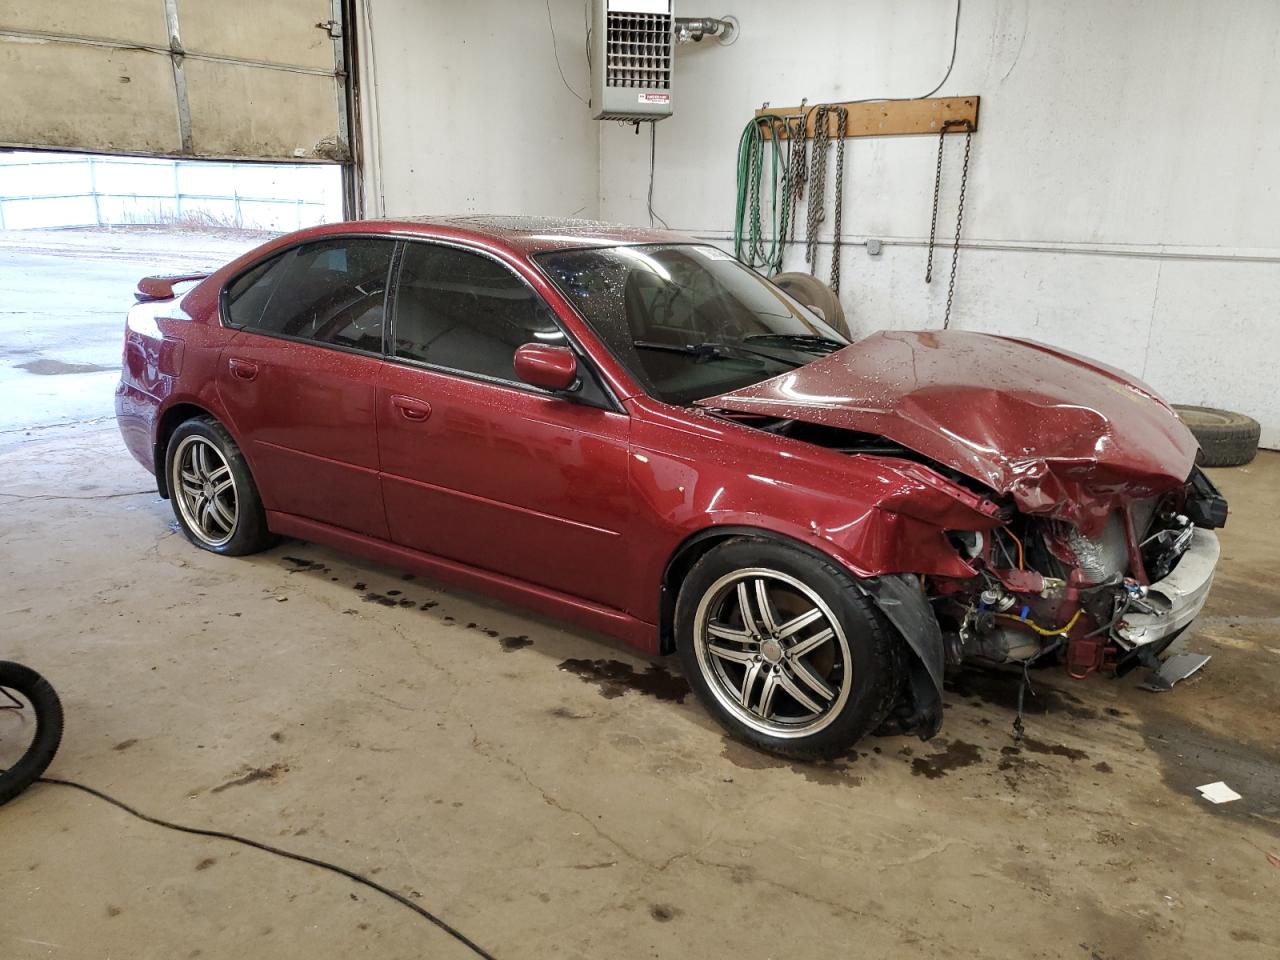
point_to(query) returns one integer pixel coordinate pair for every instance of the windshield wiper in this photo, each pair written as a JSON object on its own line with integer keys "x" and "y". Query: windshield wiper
{"x": 707, "y": 350}
{"x": 703, "y": 351}
{"x": 799, "y": 341}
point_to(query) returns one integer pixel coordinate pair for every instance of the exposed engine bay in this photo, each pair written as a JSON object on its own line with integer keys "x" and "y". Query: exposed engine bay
{"x": 1047, "y": 590}
{"x": 1043, "y": 591}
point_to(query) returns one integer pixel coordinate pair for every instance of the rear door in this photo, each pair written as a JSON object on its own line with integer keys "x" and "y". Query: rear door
{"x": 481, "y": 468}
{"x": 299, "y": 379}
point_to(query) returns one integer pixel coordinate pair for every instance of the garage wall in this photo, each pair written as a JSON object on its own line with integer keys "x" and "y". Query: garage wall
{"x": 464, "y": 111}
{"x": 1123, "y": 198}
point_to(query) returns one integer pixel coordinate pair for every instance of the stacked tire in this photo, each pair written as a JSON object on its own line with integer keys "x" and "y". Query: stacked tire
{"x": 1228, "y": 439}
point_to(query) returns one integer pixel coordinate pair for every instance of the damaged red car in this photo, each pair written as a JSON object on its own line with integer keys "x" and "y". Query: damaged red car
{"x": 634, "y": 432}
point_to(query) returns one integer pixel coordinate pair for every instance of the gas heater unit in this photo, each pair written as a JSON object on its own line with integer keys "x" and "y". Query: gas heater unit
{"x": 631, "y": 59}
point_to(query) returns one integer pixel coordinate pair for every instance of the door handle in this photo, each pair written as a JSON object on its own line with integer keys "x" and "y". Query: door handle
{"x": 242, "y": 369}
{"x": 411, "y": 408}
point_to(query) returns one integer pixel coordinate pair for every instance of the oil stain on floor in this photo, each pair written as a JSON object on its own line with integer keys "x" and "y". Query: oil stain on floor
{"x": 44, "y": 367}
{"x": 953, "y": 755}
{"x": 615, "y": 678}
{"x": 1192, "y": 756}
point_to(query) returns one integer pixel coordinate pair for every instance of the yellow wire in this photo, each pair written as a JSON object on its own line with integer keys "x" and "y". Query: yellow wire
{"x": 1060, "y": 631}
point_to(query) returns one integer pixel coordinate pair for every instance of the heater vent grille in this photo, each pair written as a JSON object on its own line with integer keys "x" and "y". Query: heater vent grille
{"x": 638, "y": 50}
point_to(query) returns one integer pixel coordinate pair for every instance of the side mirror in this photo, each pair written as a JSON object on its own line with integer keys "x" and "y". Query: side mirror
{"x": 552, "y": 368}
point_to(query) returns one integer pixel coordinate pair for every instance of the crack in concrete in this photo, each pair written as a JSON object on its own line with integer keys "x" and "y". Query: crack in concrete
{"x": 51, "y": 426}
{"x": 385, "y": 699}
{"x": 1228, "y": 621}
{"x": 96, "y": 496}
{"x": 912, "y": 934}
{"x": 483, "y": 749}
{"x": 926, "y": 853}
{"x": 478, "y": 746}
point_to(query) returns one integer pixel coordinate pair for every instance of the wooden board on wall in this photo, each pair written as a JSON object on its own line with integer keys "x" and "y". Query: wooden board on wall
{"x": 892, "y": 118}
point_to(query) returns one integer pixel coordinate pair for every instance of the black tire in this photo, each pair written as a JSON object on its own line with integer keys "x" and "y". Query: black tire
{"x": 248, "y": 533}
{"x": 43, "y": 700}
{"x": 812, "y": 292}
{"x": 865, "y": 688}
{"x": 1227, "y": 439}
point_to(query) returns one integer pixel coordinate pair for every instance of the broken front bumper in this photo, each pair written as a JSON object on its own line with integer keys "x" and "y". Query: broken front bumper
{"x": 1177, "y": 599}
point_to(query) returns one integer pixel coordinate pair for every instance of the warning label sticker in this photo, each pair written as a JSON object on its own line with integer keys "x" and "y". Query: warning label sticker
{"x": 655, "y": 98}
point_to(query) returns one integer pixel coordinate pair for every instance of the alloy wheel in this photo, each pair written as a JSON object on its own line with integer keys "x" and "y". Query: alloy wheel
{"x": 205, "y": 491}
{"x": 772, "y": 652}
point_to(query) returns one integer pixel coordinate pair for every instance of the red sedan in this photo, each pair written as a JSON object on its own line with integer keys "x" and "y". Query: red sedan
{"x": 632, "y": 431}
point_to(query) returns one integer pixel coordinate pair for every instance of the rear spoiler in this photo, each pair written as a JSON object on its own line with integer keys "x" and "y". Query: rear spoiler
{"x": 161, "y": 288}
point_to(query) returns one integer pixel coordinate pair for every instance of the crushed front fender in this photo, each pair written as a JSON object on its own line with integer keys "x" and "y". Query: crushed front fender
{"x": 901, "y": 598}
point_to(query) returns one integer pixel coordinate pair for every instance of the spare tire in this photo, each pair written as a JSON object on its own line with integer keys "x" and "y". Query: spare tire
{"x": 812, "y": 292}
{"x": 1227, "y": 439}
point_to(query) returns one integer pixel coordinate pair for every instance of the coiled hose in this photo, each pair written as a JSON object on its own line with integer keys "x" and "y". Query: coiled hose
{"x": 755, "y": 243}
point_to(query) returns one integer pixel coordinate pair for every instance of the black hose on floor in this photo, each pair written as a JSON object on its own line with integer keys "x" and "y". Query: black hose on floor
{"x": 288, "y": 855}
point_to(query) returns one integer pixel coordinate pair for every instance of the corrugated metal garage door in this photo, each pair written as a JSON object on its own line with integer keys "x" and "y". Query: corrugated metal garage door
{"x": 253, "y": 79}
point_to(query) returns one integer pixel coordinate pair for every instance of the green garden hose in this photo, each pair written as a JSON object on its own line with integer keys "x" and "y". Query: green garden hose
{"x": 754, "y": 243}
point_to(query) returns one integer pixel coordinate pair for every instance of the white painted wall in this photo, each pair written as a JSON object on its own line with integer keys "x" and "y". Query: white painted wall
{"x": 464, "y": 110}
{"x": 1123, "y": 198}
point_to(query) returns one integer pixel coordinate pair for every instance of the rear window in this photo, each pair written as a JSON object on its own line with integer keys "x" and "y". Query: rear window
{"x": 331, "y": 292}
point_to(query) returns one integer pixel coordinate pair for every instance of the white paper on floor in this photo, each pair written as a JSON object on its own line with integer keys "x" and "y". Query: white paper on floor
{"x": 1218, "y": 792}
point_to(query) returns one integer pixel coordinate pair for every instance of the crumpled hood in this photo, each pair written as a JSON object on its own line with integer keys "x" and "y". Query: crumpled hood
{"x": 1061, "y": 434}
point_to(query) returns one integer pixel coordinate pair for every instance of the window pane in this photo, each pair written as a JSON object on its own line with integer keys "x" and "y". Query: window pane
{"x": 688, "y": 321}
{"x": 466, "y": 312}
{"x": 248, "y": 295}
{"x": 330, "y": 292}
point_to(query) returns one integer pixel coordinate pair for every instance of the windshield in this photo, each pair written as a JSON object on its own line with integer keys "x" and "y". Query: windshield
{"x": 689, "y": 321}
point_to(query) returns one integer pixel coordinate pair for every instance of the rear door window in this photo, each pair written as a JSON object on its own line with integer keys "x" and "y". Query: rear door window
{"x": 331, "y": 292}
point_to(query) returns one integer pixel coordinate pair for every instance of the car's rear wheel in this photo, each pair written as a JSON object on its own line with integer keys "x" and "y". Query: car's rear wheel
{"x": 784, "y": 650}
{"x": 214, "y": 497}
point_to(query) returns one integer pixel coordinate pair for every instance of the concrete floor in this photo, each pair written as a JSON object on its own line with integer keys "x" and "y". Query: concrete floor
{"x": 63, "y": 298}
{"x": 552, "y": 795}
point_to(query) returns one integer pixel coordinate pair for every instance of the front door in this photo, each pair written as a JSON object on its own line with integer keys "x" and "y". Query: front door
{"x": 299, "y": 379}
{"x": 480, "y": 468}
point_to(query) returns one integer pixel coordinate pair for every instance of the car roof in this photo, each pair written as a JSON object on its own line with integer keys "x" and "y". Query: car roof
{"x": 530, "y": 235}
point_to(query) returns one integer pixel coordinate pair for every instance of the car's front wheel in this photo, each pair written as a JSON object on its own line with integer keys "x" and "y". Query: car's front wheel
{"x": 784, "y": 650}
{"x": 214, "y": 497}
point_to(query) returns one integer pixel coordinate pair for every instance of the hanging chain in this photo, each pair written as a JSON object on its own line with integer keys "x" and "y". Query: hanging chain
{"x": 817, "y": 181}
{"x": 955, "y": 250}
{"x": 933, "y": 220}
{"x": 780, "y": 190}
{"x": 842, "y": 128}
{"x": 797, "y": 165}
{"x": 756, "y": 165}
